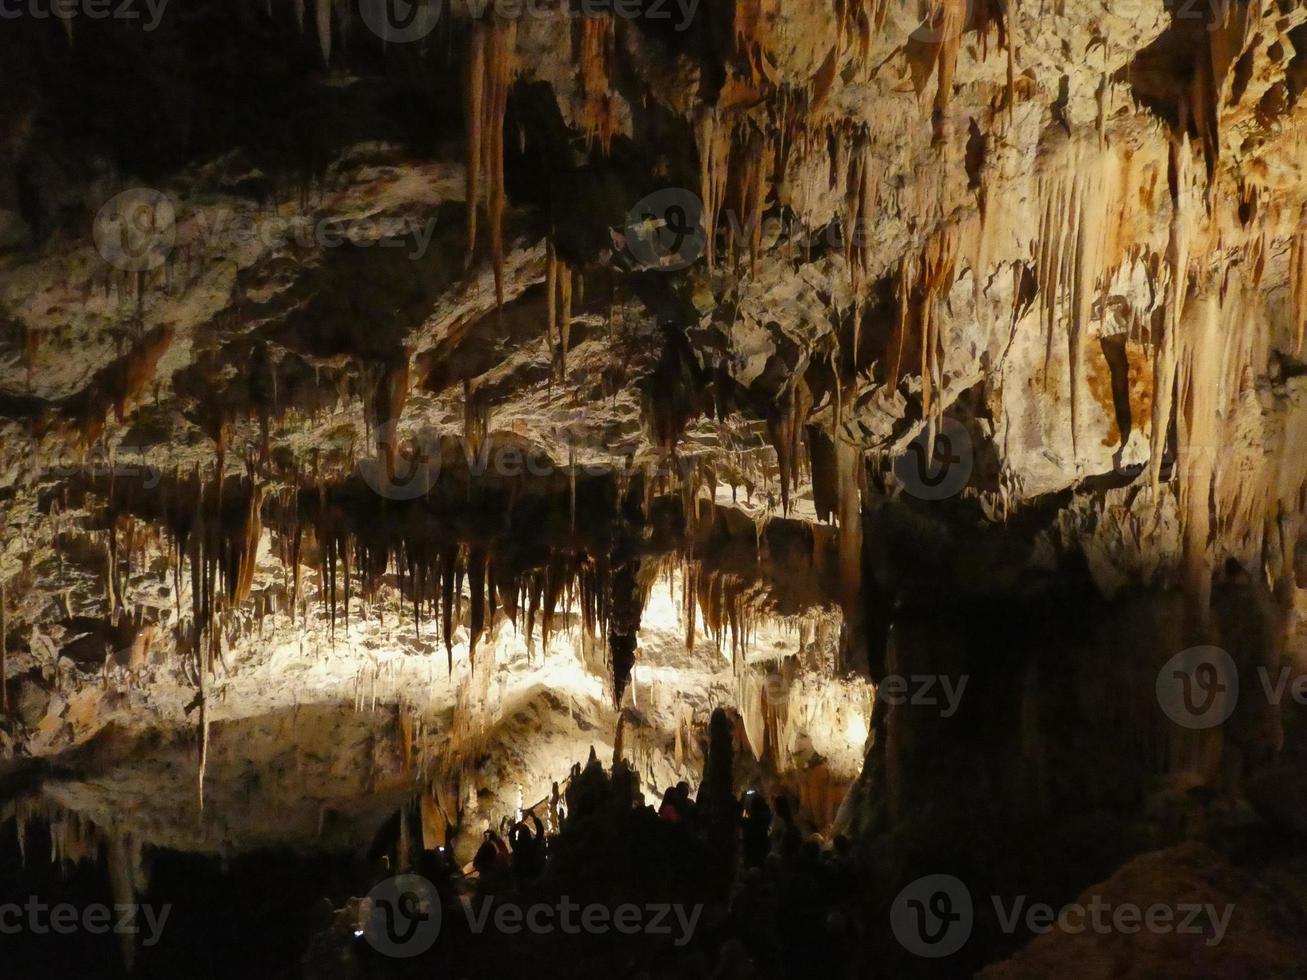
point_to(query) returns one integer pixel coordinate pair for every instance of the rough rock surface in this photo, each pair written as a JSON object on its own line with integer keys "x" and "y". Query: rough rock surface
{"x": 821, "y": 334}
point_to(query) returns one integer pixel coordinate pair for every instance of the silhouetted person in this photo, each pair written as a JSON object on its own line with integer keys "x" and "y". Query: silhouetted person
{"x": 625, "y": 786}
{"x": 684, "y": 802}
{"x": 669, "y": 811}
{"x": 718, "y": 807}
{"x": 490, "y": 861}
{"x": 787, "y": 831}
{"x": 757, "y": 831}
{"x": 528, "y": 849}
{"x": 590, "y": 790}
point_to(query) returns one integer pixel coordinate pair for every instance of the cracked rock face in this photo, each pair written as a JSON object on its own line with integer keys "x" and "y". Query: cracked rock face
{"x": 393, "y": 409}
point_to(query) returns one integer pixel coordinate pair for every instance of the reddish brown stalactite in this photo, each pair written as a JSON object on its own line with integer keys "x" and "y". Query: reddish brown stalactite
{"x": 490, "y": 70}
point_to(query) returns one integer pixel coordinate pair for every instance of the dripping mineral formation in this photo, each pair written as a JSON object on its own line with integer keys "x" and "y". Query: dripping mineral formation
{"x": 824, "y": 475}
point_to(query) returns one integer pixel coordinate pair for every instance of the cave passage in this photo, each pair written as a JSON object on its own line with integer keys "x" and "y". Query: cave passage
{"x": 724, "y": 489}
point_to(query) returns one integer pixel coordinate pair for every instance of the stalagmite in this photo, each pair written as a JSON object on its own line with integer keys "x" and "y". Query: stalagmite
{"x": 558, "y": 282}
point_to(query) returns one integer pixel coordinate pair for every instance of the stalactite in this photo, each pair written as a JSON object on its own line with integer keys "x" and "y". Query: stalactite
{"x": 1219, "y": 42}
{"x": 785, "y": 424}
{"x": 322, "y": 10}
{"x": 849, "y": 470}
{"x": 923, "y": 281}
{"x": 596, "y": 66}
{"x": 1177, "y": 263}
{"x": 476, "y": 577}
{"x": 448, "y": 561}
{"x": 385, "y": 389}
{"x": 1298, "y": 279}
{"x": 934, "y": 51}
{"x": 490, "y": 71}
{"x": 1198, "y": 389}
{"x": 747, "y": 186}
{"x": 859, "y": 20}
{"x": 862, "y": 187}
{"x": 713, "y": 138}
{"x": 1076, "y": 252}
